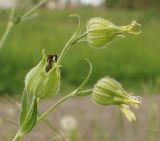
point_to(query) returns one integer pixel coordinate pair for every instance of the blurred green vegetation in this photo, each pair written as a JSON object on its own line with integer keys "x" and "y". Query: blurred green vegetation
{"x": 134, "y": 60}
{"x": 132, "y": 4}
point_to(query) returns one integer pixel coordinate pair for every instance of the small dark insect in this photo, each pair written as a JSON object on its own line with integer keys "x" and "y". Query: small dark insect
{"x": 50, "y": 60}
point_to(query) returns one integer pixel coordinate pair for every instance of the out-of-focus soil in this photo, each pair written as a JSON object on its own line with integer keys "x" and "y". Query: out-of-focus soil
{"x": 91, "y": 119}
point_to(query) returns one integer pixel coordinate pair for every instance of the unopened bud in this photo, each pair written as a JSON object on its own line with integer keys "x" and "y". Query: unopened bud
{"x": 100, "y": 31}
{"x": 108, "y": 91}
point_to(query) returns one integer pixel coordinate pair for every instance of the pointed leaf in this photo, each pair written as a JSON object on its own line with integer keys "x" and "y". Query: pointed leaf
{"x": 31, "y": 118}
{"x": 24, "y": 108}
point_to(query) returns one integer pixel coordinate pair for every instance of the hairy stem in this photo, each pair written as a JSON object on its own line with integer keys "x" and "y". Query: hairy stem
{"x": 55, "y": 106}
{"x": 63, "y": 52}
{"x": 69, "y": 44}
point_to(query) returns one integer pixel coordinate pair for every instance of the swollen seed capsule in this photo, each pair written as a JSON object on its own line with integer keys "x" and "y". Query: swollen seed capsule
{"x": 43, "y": 80}
{"x": 108, "y": 91}
{"x": 100, "y": 31}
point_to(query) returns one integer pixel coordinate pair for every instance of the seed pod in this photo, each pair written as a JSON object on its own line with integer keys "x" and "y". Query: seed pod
{"x": 100, "y": 31}
{"x": 108, "y": 91}
{"x": 43, "y": 80}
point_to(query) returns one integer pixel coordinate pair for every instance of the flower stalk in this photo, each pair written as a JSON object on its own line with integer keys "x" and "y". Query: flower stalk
{"x": 32, "y": 10}
{"x": 68, "y": 45}
{"x": 9, "y": 27}
{"x": 18, "y": 137}
{"x": 55, "y": 106}
{"x": 73, "y": 40}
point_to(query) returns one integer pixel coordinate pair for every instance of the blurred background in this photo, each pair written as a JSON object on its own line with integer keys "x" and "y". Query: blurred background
{"x": 134, "y": 61}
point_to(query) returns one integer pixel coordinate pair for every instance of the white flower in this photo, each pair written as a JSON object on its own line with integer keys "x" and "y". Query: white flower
{"x": 68, "y": 123}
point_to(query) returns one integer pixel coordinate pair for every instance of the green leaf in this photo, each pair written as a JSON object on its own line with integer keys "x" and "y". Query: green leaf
{"x": 31, "y": 118}
{"x": 24, "y": 108}
{"x": 86, "y": 79}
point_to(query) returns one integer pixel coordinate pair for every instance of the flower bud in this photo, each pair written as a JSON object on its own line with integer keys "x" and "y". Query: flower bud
{"x": 43, "y": 80}
{"x": 108, "y": 91}
{"x": 100, "y": 31}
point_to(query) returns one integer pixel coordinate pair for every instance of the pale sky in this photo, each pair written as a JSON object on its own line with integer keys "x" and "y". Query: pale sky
{"x": 8, "y": 3}
{"x": 94, "y": 2}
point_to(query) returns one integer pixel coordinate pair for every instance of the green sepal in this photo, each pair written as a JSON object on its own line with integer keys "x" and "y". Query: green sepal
{"x": 24, "y": 108}
{"x": 31, "y": 119}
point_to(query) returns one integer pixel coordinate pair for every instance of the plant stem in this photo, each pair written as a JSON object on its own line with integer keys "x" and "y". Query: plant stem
{"x": 18, "y": 137}
{"x": 11, "y": 22}
{"x": 85, "y": 91}
{"x": 6, "y": 33}
{"x": 55, "y": 106}
{"x": 68, "y": 44}
{"x": 81, "y": 36}
{"x": 29, "y": 12}
{"x": 63, "y": 52}
{"x": 9, "y": 26}
{"x": 60, "y": 102}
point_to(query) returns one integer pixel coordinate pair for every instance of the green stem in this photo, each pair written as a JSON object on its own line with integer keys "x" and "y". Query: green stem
{"x": 69, "y": 43}
{"x": 81, "y": 36}
{"x": 34, "y": 8}
{"x": 59, "y": 103}
{"x": 63, "y": 52}
{"x": 18, "y": 137}
{"x": 55, "y": 106}
{"x": 85, "y": 91}
{"x": 9, "y": 26}
{"x": 6, "y": 33}
{"x": 11, "y": 23}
